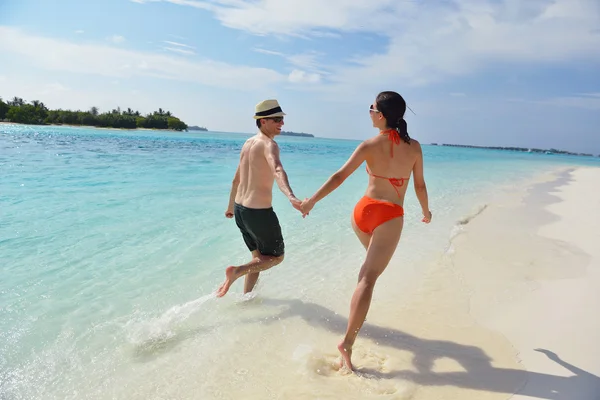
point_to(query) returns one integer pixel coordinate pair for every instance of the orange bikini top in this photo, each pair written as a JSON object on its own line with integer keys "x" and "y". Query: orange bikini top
{"x": 394, "y": 137}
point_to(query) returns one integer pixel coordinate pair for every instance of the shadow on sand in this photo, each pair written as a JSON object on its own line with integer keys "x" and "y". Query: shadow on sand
{"x": 479, "y": 374}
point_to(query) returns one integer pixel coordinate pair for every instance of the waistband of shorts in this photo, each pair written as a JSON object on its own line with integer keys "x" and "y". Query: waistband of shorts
{"x": 252, "y": 209}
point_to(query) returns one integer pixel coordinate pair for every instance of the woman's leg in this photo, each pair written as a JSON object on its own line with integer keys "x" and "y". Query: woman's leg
{"x": 383, "y": 243}
{"x": 364, "y": 238}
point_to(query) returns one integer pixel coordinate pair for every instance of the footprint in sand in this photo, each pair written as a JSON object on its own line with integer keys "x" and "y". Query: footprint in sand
{"x": 367, "y": 380}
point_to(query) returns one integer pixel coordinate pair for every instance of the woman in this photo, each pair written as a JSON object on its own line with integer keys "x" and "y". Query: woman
{"x": 377, "y": 219}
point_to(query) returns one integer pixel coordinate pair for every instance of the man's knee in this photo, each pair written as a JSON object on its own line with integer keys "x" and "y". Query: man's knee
{"x": 279, "y": 259}
{"x": 274, "y": 259}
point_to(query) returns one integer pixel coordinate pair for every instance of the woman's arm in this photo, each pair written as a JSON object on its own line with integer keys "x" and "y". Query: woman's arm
{"x": 356, "y": 159}
{"x": 420, "y": 186}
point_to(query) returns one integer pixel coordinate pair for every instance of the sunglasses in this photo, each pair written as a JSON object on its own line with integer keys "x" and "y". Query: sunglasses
{"x": 372, "y": 109}
{"x": 276, "y": 119}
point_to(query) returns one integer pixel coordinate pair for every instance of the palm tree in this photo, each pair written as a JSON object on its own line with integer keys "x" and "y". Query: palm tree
{"x": 17, "y": 101}
{"x": 38, "y": 104}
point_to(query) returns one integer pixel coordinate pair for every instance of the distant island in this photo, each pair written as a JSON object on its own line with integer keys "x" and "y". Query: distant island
{"x": 287, "y": 133}
{"x": 36, "y": 113}
{"x": 196, "y": 128}
{"x": 522, "y": 149}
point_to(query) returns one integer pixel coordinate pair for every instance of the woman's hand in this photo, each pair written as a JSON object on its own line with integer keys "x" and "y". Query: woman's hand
{"x": 306, "y": 206}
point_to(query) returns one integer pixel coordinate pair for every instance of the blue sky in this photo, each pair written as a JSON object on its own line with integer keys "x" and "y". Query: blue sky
{"x": 483, "y": 72}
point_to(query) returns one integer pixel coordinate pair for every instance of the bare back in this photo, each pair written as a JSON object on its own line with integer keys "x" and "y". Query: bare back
{"x": 407, "y": 158}
{"x": 256, "y": 177}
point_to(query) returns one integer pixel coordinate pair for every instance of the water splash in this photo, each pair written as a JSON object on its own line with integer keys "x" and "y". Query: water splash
{"x": 162, "y": 327}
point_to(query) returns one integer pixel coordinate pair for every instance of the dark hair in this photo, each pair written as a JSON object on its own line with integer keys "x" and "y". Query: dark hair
{"x": 393, "y": 107}
{"x": 258, "y": 125}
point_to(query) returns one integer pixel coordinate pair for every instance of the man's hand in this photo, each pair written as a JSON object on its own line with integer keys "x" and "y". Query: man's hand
{"x": 296, "y": 203}
{"x": 229, "y": 213}
{"x": 426, "y": 217}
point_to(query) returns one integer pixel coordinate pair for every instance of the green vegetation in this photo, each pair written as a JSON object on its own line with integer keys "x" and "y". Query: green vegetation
{"x": 36, "y": 113}
{"x": 197, "y": 128}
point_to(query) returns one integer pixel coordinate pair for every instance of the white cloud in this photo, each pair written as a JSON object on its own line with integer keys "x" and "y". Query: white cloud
{"x": 269, "y": 52}
{"x": 426, "y": 41}
{"x": 191, "y": 3}
{"x": 298, "y": 76}
{"x": 98, "y": 59}
{"x": 307, "y": 61}
{"x": 79, "y": 31}
{"x": 117, "y": 39}
{"x": 178, "y": 44}
{"x": 306, "y": 66}
{"x": 179, "y": 50}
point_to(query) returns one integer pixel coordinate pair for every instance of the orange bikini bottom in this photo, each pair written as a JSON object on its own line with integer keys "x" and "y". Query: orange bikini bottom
{"x": 370, "y": 213}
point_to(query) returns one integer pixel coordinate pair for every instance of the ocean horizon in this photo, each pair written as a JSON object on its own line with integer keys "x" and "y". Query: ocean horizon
{"x": 113, "y": 242}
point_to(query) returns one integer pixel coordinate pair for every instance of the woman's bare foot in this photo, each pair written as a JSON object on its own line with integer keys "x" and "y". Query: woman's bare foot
{"x": 346, "y": 352}
{"x": 230, "y": 277}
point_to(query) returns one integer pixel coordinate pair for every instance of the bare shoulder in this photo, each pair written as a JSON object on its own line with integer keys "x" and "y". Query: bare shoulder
{"x": 368, "y": 143}
{"x": 269, "y": 145}
{"x": 255, "y": 144}
{"x": 417, "y": 145}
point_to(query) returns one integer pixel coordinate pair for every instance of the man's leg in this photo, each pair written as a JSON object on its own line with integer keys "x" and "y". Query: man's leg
{"x": 262, "y": 225}
{"x": 252, "y": 277}
{"x": 258, "y": 264}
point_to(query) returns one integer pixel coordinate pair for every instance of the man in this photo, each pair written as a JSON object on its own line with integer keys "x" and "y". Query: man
{"x": 250, "y": 201}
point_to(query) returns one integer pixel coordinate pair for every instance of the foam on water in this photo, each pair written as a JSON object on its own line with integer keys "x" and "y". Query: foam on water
{"x": 161, "y": 328}
{"x": 111, "y": 240}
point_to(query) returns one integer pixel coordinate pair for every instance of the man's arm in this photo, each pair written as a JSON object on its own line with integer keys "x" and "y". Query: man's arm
{"x": 234, "y": 187}
{"x": 272, "y": 155}
{"x": 420, "y": 186}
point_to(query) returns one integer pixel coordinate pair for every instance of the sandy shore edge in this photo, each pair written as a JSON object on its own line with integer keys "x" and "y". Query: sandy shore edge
{"x": 532, "y": 267}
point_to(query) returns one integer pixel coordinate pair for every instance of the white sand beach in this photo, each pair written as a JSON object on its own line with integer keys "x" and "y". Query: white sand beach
{"x": 512, "y": 311}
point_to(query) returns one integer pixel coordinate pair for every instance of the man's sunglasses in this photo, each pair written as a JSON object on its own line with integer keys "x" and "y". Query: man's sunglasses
{"x": 276, "y": 119}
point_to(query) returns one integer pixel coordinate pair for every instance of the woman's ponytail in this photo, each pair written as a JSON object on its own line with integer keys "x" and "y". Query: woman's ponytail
{"x": 402, "y": 129}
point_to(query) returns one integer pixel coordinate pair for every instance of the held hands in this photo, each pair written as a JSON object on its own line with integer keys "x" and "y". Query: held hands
{"x": 303, "y": 206}
{"x": 306, "y": 206}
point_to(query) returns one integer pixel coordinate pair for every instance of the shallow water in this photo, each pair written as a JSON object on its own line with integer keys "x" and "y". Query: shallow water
{"x": 112, "y": 242}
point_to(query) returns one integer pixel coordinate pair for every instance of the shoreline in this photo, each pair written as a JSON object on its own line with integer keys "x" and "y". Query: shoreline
{"x": 526, "y": 276}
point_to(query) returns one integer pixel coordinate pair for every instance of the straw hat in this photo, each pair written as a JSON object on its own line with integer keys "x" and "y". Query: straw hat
{"x": 267, "y": 109}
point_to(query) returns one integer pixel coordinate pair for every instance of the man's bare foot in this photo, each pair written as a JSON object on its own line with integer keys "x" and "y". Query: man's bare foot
{"x": 230, "y": 277}
{"x": 346, "y": 352}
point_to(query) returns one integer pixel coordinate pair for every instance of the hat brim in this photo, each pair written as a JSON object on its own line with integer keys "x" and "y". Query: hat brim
{"x": 277, "y": 114}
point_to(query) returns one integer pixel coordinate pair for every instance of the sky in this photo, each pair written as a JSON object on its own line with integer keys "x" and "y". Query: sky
{"x": 481, "y": 72}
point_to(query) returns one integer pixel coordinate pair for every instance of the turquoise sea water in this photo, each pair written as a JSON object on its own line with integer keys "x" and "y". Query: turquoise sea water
{"x": 112, "y": 241}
